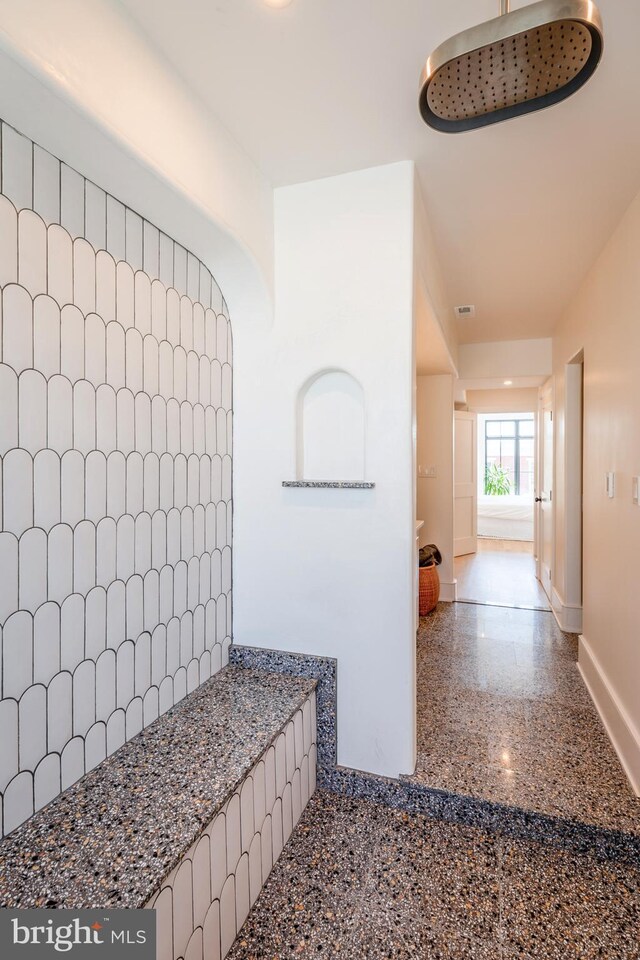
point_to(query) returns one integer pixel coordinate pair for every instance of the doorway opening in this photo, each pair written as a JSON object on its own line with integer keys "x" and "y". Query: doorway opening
{"x": 498, "y": 564}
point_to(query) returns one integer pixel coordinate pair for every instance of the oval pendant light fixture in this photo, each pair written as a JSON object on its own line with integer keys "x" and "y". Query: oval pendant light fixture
{"x": 519, "y": 62}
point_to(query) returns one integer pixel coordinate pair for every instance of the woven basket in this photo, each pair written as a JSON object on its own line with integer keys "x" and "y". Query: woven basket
{"x": 429, "y": 589}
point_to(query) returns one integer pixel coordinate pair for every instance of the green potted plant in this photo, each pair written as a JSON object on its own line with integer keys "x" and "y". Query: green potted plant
{"x": 496, "y": 481}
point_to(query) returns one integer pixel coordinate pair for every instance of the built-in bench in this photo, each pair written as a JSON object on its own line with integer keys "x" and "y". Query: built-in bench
{"x": 187, "y": 818}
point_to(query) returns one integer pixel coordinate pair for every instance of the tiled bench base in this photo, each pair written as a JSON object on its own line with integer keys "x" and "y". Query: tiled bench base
{"x": 204, "y": 901}
{"x": 209, "y": 782}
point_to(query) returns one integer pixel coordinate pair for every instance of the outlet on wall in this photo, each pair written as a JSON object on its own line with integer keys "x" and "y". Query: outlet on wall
{"x": 427, "y": 472}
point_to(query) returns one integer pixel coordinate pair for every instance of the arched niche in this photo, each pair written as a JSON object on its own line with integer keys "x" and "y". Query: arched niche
{"x": 331, "y": 428}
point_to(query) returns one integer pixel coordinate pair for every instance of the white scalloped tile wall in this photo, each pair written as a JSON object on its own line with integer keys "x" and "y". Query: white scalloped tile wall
{"x": 204, "y": 901}
{"x": 115, "y": 475}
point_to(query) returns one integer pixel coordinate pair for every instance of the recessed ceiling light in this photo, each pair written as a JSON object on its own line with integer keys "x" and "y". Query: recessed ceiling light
{"x": 508, "y": 383}
{"x": 277, "y": 3}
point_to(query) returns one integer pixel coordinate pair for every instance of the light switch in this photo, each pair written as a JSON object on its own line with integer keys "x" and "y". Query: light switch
{"x": 610, "y": 485}
{"x": 635, "y": 490}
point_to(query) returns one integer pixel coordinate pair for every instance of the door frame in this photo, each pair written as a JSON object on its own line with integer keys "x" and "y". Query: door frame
{"x": 463, "y": 546}
{"x": 569, "y": 607}
{"x": 546, "y": 402}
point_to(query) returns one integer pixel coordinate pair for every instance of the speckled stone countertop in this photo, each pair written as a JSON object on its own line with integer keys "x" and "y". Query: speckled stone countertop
{"x": 111, "y": 838}
{"x": 328, "y": 484}
{"x": 322, "y": 669}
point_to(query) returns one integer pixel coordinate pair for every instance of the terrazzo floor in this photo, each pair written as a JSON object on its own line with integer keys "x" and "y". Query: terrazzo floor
{"x": 504, "y": 715}
{"x": 361, "y": 881}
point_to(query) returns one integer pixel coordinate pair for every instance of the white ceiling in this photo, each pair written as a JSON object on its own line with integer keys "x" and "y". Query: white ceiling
{"x": 520, "y": 210}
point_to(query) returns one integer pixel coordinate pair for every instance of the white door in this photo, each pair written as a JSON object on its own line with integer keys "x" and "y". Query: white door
{"x": 544, "y": 498}
{"x": 465, "y": 472}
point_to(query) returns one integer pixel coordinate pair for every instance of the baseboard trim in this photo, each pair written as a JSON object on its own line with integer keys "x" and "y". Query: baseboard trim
{"x": 619, "y": 726}
{"x": 448, "y": 591}
{"x": 568, "y": 615}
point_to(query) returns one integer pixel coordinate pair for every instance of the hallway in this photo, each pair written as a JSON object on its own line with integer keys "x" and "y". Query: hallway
{"x": 501, "y": 572}
{"x": 504, "y": 715}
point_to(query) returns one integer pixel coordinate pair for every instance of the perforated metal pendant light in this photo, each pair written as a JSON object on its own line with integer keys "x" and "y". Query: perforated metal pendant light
{"x": 519, "y": 62}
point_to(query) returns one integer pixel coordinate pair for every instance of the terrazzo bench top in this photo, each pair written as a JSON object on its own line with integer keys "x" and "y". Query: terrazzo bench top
{"x": 111, "y": 838}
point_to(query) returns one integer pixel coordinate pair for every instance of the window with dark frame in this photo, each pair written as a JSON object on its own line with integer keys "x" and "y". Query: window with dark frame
{"x": 509, "y": 444}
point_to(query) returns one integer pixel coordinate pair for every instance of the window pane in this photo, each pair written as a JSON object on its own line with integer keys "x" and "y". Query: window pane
{"x": 505, "y": 459}
{"x": 526, "y": 483}
{"x": 493, "y": 450}
{"x": 526, "y": 428}
{"x": 492, "y": 428}
{"x": 507, "y": 451}
{"x": 508, "y": 428}
{"x": 526, "y": 447}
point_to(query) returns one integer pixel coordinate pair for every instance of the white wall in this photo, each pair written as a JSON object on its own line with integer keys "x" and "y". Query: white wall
{"x": 505, "y": 359}
{"x": 602, "y": 320}
{"x": 432, "y": 302}
{"x": 516, "y": 400}
{"x": 435, "y": 449}
{"x": 331, "y": 571}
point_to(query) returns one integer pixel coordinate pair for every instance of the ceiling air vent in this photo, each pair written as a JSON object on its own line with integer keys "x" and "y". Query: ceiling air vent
{"x": 465, "y": 313}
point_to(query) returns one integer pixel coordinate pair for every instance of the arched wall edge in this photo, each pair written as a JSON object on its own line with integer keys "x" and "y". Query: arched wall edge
{"x": 36, "y": 99}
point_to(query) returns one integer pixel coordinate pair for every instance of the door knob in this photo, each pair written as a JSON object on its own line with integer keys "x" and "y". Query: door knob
{"x": 539, "y": 499}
